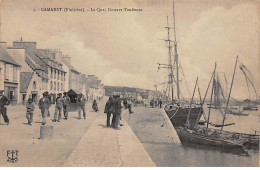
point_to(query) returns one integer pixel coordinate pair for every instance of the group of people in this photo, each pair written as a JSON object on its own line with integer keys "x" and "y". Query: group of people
{"x": 62, "y": 103}
{"x": 114, "y": 106}
{"x": 44, "y": 105}
{"x": 154, "y": 103}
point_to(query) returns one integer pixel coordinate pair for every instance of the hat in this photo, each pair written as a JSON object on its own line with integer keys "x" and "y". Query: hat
{"x": 30, "y": 100}
{"x": 65, "y": 93}
{"x": 59, "y": 94}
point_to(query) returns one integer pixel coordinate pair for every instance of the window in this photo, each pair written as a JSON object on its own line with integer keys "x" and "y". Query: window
{"x": 54, "y": 85}
{"x": 58, "y": 86}
{"x": 5, "y": 71}
{"x": 14, "y": 73}
{"x": 61, "y": 87}
{"x": 51, "y": 85}
{"x": 51, "y": 72}
{"x": 58, "y": 75}
{"x": 34, "y": 85}
{"x": 11, "y": 95}
{"x": 55, "y": 74}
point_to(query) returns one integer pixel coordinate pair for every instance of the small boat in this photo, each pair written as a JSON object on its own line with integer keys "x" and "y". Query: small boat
{"x": 237, "y": 113}
{"x": 215, "y": 138}
{"x": 251, "y": 108}
{"x": 190, "y": 137}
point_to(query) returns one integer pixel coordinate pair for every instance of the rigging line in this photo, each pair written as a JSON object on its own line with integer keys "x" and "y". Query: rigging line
{"x": 220, "y": 109}
{"x": 241, "y": 68}
{"x": 187, "y": 86}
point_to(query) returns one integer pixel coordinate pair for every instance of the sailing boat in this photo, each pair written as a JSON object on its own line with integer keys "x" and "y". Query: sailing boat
{"x": 214, "y": 138}
{"x": 177, "y": 110}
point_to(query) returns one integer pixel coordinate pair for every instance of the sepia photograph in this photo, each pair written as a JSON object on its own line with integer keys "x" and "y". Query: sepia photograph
{"x": 129, "y": 83}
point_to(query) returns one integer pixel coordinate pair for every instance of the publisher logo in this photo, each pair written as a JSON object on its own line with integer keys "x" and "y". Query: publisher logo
{"x": 12, "y": 156}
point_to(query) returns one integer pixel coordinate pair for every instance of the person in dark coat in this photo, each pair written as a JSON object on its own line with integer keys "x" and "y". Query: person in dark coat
{"x": 117, "y": 112}
{"x": 107, "y": 110}
{"x": 58, "y": 107}
{"x": 125, "y": 103}
{"x": 160, "y": 103}
{"x": 66, "y": 102}
{"x": 4, "y": 102}
{"x": 81, "y": 102}
{"x": 44, "y": 104}
{"x": 95, "y": 106}
{"x": 48, "y": 109}
{"x": 29, "y": 111}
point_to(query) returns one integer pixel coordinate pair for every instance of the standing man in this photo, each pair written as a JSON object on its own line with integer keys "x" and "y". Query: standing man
{"x": 66, "y": 102}
{"x": 160, "y": 103}
{"x": 108, "y": 110}
{"x": 4, "y": 102}
{"x": 58, "y": 107}
{"x": 81, "y": 105}
{"x": 29, "y": 111}
{"x": 44, "y": 104}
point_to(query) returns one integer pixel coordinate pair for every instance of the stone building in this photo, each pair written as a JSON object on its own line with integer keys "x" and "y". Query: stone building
{"x": 48, "y": 74}
{"x": 95, "y": 89}
{"x": 9, "y": 75}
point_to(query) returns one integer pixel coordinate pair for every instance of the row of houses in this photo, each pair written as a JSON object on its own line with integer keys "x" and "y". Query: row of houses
{"x": 26, "y": 71}
{"x": 134, "y": 93}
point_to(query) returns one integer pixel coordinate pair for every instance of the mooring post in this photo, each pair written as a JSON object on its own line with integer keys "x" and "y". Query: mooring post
{"x": 46, "y": 132}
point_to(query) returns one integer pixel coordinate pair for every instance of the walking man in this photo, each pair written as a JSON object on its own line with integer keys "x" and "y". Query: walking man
{"x": 66, "y": 102}
{"x": 95, "y": 106}
{"x": 43, "y": 104}
{"x": 4, "y": 102}
{"x": 81, "y": 105}
{"x": 58, "y": 107}
{"x": 108, "y": 110}
{"x": 29, "y": 111}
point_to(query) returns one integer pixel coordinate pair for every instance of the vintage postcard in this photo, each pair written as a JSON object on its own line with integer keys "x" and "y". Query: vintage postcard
{"x": 129, "y": 83}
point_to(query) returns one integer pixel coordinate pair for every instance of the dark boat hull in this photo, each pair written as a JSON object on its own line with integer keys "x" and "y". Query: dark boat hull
{"x": 203, "y": 141}
{"x": 179, "y": 115}
{"x": 250, "y": 108}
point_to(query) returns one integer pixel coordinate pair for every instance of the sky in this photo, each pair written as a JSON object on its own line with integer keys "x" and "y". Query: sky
{"x": 123, "y": 48}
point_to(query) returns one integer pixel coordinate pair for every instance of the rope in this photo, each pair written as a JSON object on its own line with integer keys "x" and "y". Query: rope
{"x": 174, "y": 113}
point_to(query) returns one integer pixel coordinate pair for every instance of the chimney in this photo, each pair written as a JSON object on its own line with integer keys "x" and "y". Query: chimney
{"x": 23, "y": 44}
{"x": 3, "y": 44}
{"x": 66, "y": 58}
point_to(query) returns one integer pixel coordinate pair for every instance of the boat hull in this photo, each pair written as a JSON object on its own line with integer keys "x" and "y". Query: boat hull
{"x": 250, "y": 108}
{"x": 179, "y": 115}
{"x": 203, "y": 141}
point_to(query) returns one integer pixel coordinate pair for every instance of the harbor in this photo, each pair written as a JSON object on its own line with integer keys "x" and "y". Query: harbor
{"x": 155, "y": 133}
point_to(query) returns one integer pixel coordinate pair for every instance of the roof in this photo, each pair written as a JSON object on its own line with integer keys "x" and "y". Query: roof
{"x": 70, "y": 66}
{"x": 45, "y": 56}
{"x": 73, "y": 92}
{"x": 25, "y": 79}
{"x": 36, "y": 63}
{"x": 4, "y": 56}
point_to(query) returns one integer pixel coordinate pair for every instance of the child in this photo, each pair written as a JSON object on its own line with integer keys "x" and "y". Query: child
{"x": 29, "y": 111}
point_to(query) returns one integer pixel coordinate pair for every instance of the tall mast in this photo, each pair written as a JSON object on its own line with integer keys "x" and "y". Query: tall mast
{"x": 170, "y": 58}
{"x": 229, "y": 94}
{"x": 176, "y": 56}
